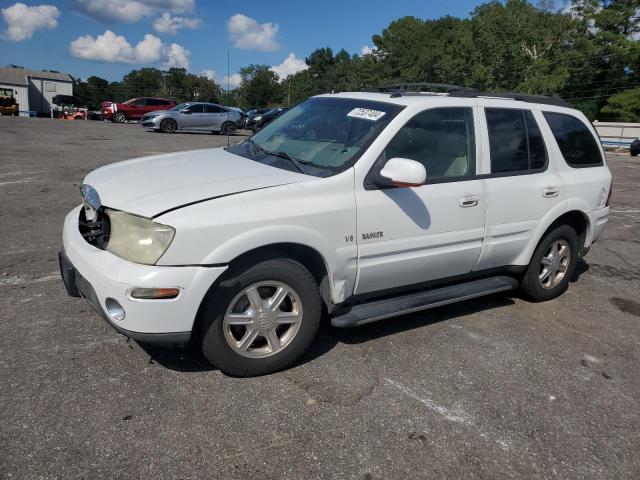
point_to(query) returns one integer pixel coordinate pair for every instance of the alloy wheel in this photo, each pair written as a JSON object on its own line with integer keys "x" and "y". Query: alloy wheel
{"x": 554, "y": 264}
{"x": 168, "y": 126}
{"x": 263, "y": 319}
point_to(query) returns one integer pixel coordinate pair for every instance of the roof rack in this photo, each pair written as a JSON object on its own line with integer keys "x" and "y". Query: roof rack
{"x": 400, "y": 89}
{"x": 425, "y": 88}
{"x": 525, "y": 97}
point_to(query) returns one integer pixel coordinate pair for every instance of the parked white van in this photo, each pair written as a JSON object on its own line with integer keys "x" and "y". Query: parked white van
{"x": 358, "y": 206}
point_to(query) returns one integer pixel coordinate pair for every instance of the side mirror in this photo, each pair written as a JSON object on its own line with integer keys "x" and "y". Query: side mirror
{"x": 402, "y": 172}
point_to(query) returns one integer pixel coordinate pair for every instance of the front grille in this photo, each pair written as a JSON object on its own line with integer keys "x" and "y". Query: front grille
{"x": 95, "y": 232}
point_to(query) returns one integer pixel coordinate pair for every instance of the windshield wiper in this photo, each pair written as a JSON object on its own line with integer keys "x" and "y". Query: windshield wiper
{"x": 296, "y": 163}
{"x": 286, "y": 156}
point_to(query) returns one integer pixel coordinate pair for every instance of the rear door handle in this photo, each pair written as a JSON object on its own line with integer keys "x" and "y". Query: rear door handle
{"x": 468, "y": 201}
{"x": 550, "y": 192}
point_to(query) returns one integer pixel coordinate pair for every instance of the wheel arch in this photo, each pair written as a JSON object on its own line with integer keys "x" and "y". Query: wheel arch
{"x": 309, "y": 257}
{"x": 576, "y": 219}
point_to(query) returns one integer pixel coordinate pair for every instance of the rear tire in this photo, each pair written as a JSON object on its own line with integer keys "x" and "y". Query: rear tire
{"x": 552, "y": 265}
{"x": 119, "y": 117}
{"x": 261, "y": 319}
{"x": 168, "y": 125}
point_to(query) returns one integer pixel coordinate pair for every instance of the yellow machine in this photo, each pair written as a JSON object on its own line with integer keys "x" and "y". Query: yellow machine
{"x": 8, "y": 104}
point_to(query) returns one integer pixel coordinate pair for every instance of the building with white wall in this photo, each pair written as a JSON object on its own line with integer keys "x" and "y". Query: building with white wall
{"x": 34, "y": 89}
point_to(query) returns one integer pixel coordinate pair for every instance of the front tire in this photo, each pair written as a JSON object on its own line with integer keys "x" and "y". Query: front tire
{"x": 168, "y": 125}
{"x": 119, "y": 117}
{"x": 552, "y": 265}
{"x": 261, "y": 319}
{"x": 228, "y": 128}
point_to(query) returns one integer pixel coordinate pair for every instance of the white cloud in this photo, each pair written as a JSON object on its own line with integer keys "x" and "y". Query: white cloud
{"x": 209, "y": 74}
{"x": 247, "y": 34}
{"x": 170, "y": 25}
{"x": 233, "y": 80}
{"x": 289, "y": 66}
{"x": 22, "y": 20}
{"x": 129, "y": 11}
{"x": 176, "y": 56}
{"x": 367, "y": 50}
{"x": 110, "y": 47}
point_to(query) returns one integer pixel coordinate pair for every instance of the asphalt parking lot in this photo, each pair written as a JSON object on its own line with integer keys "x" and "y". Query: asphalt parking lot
{"x": 491, "y": 388}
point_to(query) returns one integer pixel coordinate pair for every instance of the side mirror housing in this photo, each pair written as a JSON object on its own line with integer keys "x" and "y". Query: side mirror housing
{"x": 402, "y": 172}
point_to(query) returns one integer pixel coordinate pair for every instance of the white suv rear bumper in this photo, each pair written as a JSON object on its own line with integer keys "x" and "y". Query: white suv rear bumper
{"x": 598, "y": 220}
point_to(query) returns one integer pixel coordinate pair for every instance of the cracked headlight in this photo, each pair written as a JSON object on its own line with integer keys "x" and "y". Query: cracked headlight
{"x": 138, "y": 239}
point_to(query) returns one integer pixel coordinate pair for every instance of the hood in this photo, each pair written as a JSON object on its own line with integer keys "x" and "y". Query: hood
{"x": 149, "y": 186}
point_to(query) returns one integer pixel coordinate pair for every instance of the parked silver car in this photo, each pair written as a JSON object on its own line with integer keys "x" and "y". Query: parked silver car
{"x": 193, "y": 116}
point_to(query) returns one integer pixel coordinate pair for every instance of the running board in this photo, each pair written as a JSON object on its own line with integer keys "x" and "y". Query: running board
{"x": 414, "y": 302}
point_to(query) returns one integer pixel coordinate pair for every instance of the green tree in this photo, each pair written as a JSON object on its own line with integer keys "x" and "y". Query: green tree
{"x": 259, "y": 87}
{"x": 146, "y": 82}
{"x": 623, "y": 107}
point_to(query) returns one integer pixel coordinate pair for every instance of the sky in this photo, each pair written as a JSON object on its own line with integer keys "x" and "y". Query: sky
{"x": 108, "y": 38}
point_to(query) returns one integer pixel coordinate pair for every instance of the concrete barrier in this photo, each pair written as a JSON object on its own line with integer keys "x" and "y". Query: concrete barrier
{"x": 617, "y": 135}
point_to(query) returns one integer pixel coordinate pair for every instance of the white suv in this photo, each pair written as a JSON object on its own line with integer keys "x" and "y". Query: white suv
{"x": 358, "y": 206}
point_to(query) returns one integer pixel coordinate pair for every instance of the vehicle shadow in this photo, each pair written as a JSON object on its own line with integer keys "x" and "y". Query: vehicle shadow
{"x": 412, "y": 321}
{"x": 190, "y": 358}
{"x": 582, "y": 267}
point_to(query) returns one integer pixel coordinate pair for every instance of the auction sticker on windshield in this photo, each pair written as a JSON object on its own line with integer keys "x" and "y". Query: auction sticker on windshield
{"x": 366, "y": 113}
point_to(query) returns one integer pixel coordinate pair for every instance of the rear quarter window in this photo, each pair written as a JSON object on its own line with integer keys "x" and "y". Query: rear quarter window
{"x": 576, "y": 142}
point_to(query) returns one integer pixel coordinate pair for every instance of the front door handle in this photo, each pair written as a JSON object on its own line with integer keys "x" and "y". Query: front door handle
{"x": 468, "y": 201}
{"x": 550, "y": 192}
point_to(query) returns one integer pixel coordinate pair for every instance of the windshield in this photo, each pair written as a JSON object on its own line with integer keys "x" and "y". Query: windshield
{"x": 324, "y": 135}
{"x": 177, "y": 108}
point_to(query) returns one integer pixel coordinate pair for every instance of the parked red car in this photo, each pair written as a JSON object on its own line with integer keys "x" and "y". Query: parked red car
{"x": 134, "y": 109}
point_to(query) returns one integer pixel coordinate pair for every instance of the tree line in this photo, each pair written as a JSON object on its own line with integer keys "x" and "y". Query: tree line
{"x": 587, "y": 53}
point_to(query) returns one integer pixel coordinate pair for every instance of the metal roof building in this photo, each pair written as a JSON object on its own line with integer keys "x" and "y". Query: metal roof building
{"x": 35, "y": 89}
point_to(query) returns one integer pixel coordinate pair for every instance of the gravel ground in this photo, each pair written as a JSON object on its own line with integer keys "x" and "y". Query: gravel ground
{"x": 491, "y": 388}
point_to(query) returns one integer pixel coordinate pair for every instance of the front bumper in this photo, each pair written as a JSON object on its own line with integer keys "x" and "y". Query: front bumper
{"x": 99, "y": 275}
{"x": 153, "y": 122}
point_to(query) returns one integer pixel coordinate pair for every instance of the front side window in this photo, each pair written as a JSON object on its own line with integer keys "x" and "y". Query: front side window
{"x": 198, "y": 108}
{"x": 515, "y": 141}
{"x": 576, "y": 142}
{"x": 442, "y": 139}
{"x": 320, "y": 136}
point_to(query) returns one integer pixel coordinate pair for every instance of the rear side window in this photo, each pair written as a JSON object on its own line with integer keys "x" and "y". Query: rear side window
{"x": 576, "y": 142}
{"x": 213, "y": 109}
{"x": 515, "y": 141}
